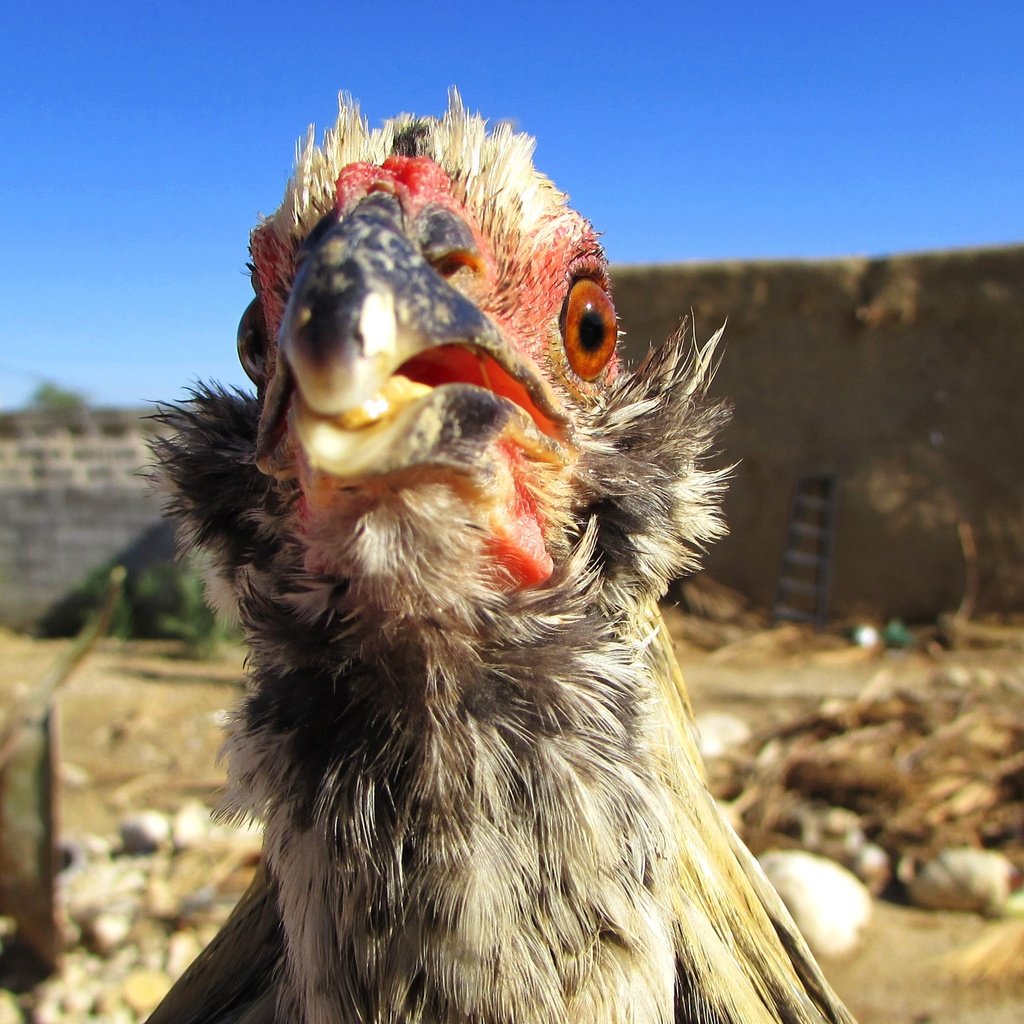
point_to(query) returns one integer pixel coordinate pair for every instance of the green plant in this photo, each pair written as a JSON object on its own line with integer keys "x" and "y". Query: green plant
{"x": 163, "y": 601}
{"x": 169, "y": 603}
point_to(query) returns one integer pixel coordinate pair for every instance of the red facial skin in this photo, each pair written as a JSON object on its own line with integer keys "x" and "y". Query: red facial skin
{"x": 516, "y": 543}
{"x": 521, "y": 284}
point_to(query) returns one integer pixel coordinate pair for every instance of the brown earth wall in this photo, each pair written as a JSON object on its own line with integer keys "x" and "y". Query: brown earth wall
{"x": 903, "y": 376}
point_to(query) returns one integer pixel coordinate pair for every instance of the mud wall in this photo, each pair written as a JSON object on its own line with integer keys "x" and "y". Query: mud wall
{"x": 903, "y": 377}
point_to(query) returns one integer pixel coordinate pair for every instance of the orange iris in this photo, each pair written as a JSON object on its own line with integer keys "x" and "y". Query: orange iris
{"x": 589, "y": 328}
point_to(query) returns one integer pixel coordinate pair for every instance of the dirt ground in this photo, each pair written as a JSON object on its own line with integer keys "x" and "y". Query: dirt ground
{"x": 141, "y": 729}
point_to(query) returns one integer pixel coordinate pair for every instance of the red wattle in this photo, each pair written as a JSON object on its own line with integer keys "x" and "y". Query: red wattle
{"x": 517, "y": 539}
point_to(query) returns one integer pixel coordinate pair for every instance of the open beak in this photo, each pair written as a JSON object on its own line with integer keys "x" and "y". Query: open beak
{"x": 383, "y": 365}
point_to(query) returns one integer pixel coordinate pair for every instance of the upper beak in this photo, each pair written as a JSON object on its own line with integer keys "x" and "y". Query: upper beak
{"x": 382, "y": 363}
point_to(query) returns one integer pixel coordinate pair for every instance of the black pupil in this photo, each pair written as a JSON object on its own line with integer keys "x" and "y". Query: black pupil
{"x": 592, "y": 329}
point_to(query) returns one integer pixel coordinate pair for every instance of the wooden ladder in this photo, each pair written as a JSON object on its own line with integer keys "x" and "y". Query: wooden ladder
{"x": 802, "y": 594}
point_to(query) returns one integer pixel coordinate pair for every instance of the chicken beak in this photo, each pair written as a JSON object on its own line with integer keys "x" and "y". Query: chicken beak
{"x": 365, "y": 301}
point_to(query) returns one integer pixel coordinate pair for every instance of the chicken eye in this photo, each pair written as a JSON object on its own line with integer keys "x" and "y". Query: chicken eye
{"x": 589, "y": 328}
{"x": 252, "y": 343}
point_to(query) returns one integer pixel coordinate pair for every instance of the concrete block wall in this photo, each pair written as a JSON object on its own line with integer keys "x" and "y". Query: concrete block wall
{"x": 72, "y": 496}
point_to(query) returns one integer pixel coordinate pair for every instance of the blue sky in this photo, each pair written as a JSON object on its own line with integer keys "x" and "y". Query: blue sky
{"x": 138, "y": 144}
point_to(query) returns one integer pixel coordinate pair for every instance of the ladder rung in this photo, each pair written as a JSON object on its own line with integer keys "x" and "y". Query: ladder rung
{"x": 799, "y": 587}
{"x": 803, "y": 558}
{"x": 807, "y": 556}
{"x": 806, "y": 530}
{"x": 812, "y": 503}
{"x": 784, "y": 611}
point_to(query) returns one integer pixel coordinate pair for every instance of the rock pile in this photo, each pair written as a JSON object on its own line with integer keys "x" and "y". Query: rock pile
{"x": 139, "y": 908}
{"x": 922, "y": 789}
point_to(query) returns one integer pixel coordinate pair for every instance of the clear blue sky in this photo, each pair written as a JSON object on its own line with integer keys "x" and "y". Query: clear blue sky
{"x": 138, "y": 143}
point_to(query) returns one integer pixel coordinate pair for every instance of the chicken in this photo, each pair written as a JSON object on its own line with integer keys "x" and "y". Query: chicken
{"x": 444, "y": 521}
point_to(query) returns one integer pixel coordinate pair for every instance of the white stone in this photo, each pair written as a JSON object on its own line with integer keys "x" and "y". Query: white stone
{"x": 182, "y": 948}
{"x": 829, "y": 904}
{"x": 843, "y": 823}
{"x": 718, "y": 733}
{"x": 961, "y": 878}
{"x": 74, "y": 776}
{"x": 955, "y": 675}
{"x": 107, "y": 932}
{"x": 872, "y": 866}
{"x": 79, "y": 1000}
{"x": 145, "y": 832}
{"x": 191, "y": 826}
{"x": 97, "y": 847}
{"x": 866, "y": 636}
{"x": 47, "y": 1010}
{"x": 102, "y": 886}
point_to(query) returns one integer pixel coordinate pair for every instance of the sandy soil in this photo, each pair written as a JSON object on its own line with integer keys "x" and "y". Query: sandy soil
{"x": 141, "y": 728}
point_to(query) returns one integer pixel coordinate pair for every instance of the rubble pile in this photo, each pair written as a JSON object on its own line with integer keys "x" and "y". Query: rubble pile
{"x": 893, "y": 780}
{"x": 138, "y": 909}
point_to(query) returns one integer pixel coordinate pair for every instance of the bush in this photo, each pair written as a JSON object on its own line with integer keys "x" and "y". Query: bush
{"x": 69, "y": 615}
{"x": 169, "y": 603}
{"x": 164, "y": 601}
